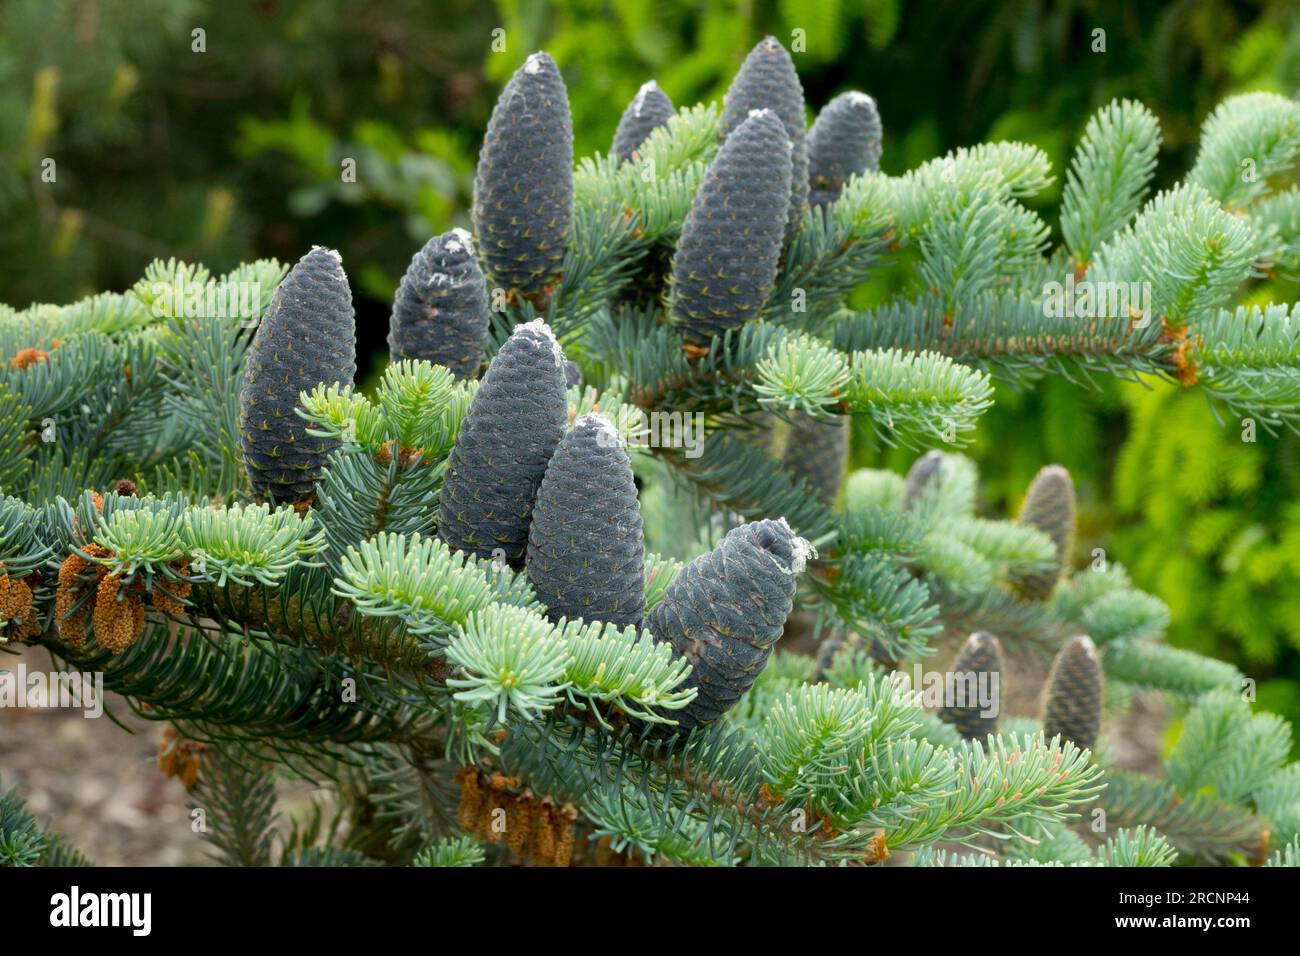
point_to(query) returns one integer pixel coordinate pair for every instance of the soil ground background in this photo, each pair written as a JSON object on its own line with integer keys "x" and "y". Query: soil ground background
{"x": 99, "y": 785}
{"x": 95, "y": 783}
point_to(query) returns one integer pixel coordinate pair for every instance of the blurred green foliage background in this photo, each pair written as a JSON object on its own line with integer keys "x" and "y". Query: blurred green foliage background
{"x": 216, "y": 131}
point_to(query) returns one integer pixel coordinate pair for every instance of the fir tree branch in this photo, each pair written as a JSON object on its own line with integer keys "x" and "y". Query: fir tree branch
{"x": 1110, "y": 173}
{"x": 1199, "y": 827}
{"x": 1244, "y": 142}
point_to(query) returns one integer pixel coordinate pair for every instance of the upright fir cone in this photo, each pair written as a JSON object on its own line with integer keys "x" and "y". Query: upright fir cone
{"x": 919, "y": 475}
{"x": 832, "y": 645}
{"x": 844, "y": 141}
{"x": 976, "y": 671}
{"x": 523, "y": 191}
{"x": 1072, "y": 702}
{"x": 649, "y": 109}
{"x": 764, "y": 434}
{"x": 514, "y": 422}
{"x": 817, "y": 452}
{"x": 1049, "y": 506}
{"x": 306, "y": 338}
{"x": 827, "y": 651}
{"x": 725, "y": 264}
{"x": 572, "y": 373}
{"x": 440, "y": 312}
{"x": 725, "y": 611}
{"x": 585, "y": 550}
{"x": 767, "y": 80}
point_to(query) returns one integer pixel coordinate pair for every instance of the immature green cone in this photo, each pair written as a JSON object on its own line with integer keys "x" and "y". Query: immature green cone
{"x": 514, "y": 422}
{"x": 1049, "y": 506}
{"x": 649, "y": 109}
{"x": 977, "y": 672}
{"x": 843, "y": 142}
{"x": 523, "y": 192}
{"x": 767, "y": 80}
{"x": 817, "y": 452}
{"x": 725, "y": 264}
{"x": 585, "y": 549}
{"x": 919, "y": 475}
{"x": 1072, "y": 702}
{"x": 307, "y": 337}
{"x": 440, "y": 312}
{"x": 725, "y": 611}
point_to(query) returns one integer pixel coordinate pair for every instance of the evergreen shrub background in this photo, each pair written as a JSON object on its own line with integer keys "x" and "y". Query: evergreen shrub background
{"x": 234, "y": 153}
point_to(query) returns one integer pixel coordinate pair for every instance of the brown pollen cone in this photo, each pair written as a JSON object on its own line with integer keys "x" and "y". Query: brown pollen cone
{"x": 118, "y": 618}
{"x": 495, "y": 809}
{"x": 15, "y": 600}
